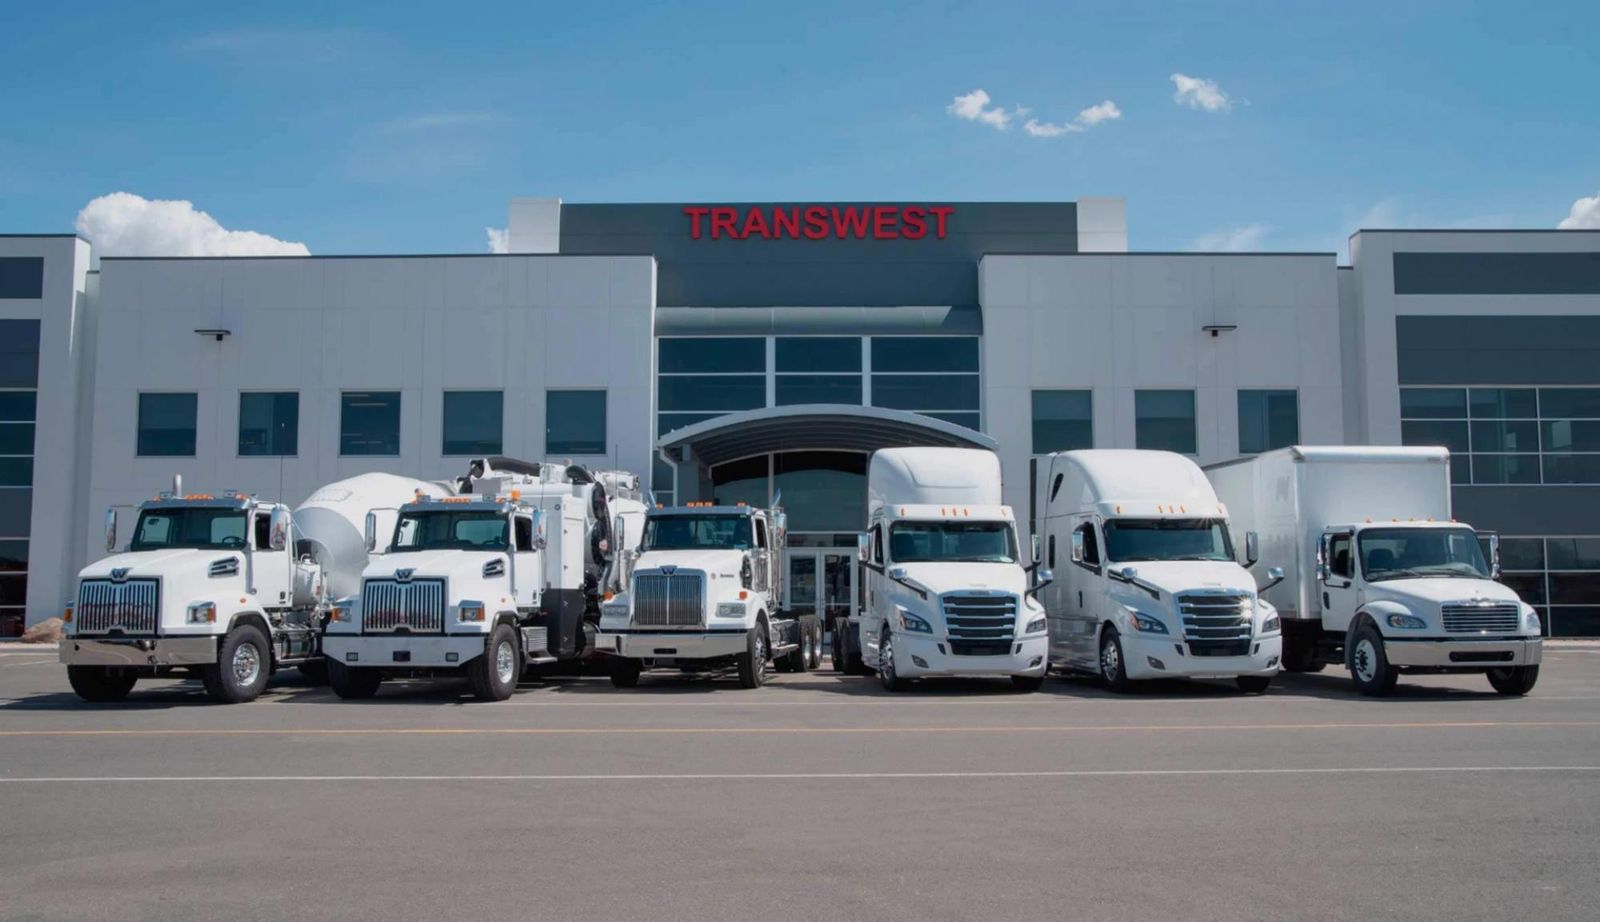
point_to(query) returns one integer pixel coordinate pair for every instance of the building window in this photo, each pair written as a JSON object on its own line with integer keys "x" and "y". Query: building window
{"x": 473, "y": 422}
{"x": 1508, "y": 435}
{"x": 269, "y": 424}
{"x": 936, "y": 376}
{"x": 19, "y": 374}
{"x": 1560, "y": 577}
{"x": 1062, "y": 421}
{"x": 1164, "y": 421}
{"x": 369, "y": 423}
{"x": 817, "y": 369}
{"x": 575, "y": 423}
{"x": 22, "y": 277}
{"x": 702, "y": 377}
{"x": 1268, "y": 420}
{"x": 167, "y": 425}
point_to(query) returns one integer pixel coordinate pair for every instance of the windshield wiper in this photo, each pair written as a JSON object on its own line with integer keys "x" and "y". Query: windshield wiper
{"x": 1198, "y": 557}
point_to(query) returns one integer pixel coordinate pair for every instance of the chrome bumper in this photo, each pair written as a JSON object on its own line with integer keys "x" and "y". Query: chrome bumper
{"x": 1464, "y": 654}
{"x": 157, "y": 651}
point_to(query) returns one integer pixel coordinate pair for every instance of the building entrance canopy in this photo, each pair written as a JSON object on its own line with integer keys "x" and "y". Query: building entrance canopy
{"x": 838, "y": 427}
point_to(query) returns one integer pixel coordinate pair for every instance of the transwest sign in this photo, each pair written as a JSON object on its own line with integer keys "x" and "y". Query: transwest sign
{"x": 819, "y": 222}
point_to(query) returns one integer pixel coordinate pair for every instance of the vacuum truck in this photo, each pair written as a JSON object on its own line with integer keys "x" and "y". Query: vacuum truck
{"x": 224, "y": 587}
{"x": 504, "y": 573}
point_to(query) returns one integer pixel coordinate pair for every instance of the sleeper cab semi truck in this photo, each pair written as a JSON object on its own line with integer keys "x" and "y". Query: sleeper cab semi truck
{"x": 1148, "y": 585}
{"x": 705, "y": 592}
{"x": 224, "y": 587}
{"x": 1378, "y": 576}
{"x": 948, "y": 593}
{"x": 501, "y": 573}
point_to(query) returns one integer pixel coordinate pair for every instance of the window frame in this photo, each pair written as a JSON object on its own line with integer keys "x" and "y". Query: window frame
{"x": 139, "y": 428}
{"x": 551, "y": 393}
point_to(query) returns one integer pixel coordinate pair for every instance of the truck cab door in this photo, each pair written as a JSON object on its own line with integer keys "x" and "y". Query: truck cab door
{"x": 1338, "y": 592}
{"x": 1083, "y": 607}
{"x": 272, "y": 574}
{"x": 530, "y": 575}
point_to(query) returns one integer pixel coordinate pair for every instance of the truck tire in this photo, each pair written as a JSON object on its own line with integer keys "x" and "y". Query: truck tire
{"x": 353, "y": 684}
{"x": 315, "y": 671}
{"x": 1253, "y": 684}
{"x": 242, "y": 668}
{"x": 1369, "y": 666}
{"x": 493, "y": 676}
{"x": 1300, "y": 654}
{"x": 1113, "y": 672}
{"x": 99, "y": 684}
{"x": 841, "y": 664}
{"x": 1514, "y": 680}
{"x": 890, "y": 679}
{"x": 799, "y": 658}
{"x": 1027, "y": 683}
{"x": 753, "y": 661}
{"x": 624, "y": 672}
{"x": 814, "y": 648}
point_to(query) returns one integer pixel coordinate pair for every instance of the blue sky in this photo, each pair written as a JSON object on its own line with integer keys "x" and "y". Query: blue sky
{"x": 369, "y": 128}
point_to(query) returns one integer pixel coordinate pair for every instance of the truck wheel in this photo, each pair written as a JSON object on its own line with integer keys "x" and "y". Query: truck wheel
{"x": 1300, "y": 655}
{"x": 799, "y": 658}
{"x": 315, "y": 671}
{"x": 242, "y": 666}
{"x": 1027, "y": 683}
{"x": 1368, "y": 664}
{"x": 353, "y": 684}
{"x": 493, "y": 676}
{"x": 886, "y": 673}
{"x": 1112, "y": 671}
{"x": 99, "y": 684}
{"x": 1514, "y": 680}
{"x": 624, "y": 671}
{"x": 814, "y": 648}
{"x": 753, "y": 661}
{"x": 1253, "y": 684}
{"x": 841, "y": 665}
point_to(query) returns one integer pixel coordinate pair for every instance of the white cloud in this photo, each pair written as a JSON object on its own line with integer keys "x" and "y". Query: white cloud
{"x": 124, "y": 224}
{"x": 1242, "y": 239}
{"x": 1104, "y": 112}
{"x": 499, "y": 239}
{"x": 1199, "y": 93}
{"x": 1088, "y": 118}
{"x": 974, "y": 107}
{"x": 1585, "y": 215}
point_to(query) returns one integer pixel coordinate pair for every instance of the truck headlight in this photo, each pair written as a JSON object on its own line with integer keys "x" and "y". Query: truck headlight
{"x": 614, "y": 610}
{"x": 202, "y": 613}
{"x": 912, "y": 623}
{"x": 1036, "y": 626}
{"x": 469, "y": 611}
{"x": 730, "y": 609}
{"x": 1406, "y": 622}
{"x": 1531, "y": 622}
{"x": 1272, "y": 625}
{"x": 1144, "y": 622}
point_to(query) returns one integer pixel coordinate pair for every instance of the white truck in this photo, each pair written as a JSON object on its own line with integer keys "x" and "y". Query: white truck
{"x": 1149, "y": 587}
{"x": 226, "y": 587}
{"x": 503, "y": 574}
{"x": 1379, "y": 577}
{"x": 948, "y": 593}
{"x": 704, "y": 593}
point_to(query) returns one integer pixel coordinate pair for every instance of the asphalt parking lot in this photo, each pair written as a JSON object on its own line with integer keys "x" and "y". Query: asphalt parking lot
{"x": 815, "y": 797}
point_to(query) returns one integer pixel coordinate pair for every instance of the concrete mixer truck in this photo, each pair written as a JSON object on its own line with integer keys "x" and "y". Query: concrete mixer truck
{"x": 224, "y": 587}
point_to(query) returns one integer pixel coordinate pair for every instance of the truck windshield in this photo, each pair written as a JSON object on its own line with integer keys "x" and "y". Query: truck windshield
{"x": 686, "y": 532}
{"x": 453, "y": 530}
{"x": 977, "y": 542}
{"x": 1406, "y": 553}
{"x": 1167, "y": 539}
{"x": 197, "y": 527}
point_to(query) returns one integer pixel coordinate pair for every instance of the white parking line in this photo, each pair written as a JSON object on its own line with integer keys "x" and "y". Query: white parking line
{"x": 827, "y": 776}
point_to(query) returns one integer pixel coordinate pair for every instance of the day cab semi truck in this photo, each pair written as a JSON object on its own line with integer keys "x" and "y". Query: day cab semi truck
{"x": 705, "y": 594}
{"x": 504, "y": 573}
{"x": 1148, "y": 586}
{"x": 221, "y": 587}
{"x": 948, "y": 591}
{"x": 1379, "y": 577}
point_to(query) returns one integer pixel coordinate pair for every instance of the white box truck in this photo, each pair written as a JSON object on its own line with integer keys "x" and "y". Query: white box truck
{"x": 1378, "y": 576}
{"x": 948, "y": 591}
{"x": 706, "y": 592}
{"x": 1148, "y": 585}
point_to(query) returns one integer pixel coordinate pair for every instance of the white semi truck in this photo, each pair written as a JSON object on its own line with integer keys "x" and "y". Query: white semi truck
{"x": 706, "y": 592}
{"x": 948, "y": 593}
{"x": 1379, "y": 578}
{"x": 1148, "y": 586}
{"x": 505, "y": 573}
{"x": 225, "y": 587}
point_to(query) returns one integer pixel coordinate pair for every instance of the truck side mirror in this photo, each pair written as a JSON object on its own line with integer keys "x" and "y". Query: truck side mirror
{"x": 1494, "y": 556}
{"x": 1046, "y": 575}
{"x": 1274, "y": 577}
{"x": 278, "y": 528}
{"x": 372, "y": 532}
{"x": 1252, "y": 549}
{"x": 1077, "y": 547}
{"x": 111, "y": 530}
{"x": 538, "y": 529}
{"x": 863, "y": 548}
{"x": 1038, "y": 550}
{"x": 1322, "y": 560}
{"x": 619, "y": 537}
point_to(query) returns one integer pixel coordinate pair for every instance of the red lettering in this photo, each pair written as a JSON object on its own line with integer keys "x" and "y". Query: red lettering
{"x": 755, "y": 223}
{"x": 885, "y": 223}
{"x": 940, "y": 214}
{"x": 851, "y": 222}
{"x": 816, "y": 222}
{"x": 722, "y": 222}
{"x": 789, "y": 217}
{"x": 695, "y": 213}
{"x": 914, "y": 223}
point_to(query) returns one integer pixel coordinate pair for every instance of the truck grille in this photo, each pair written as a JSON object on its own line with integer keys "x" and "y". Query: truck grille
{"x": 133, "y": 606}
{"x": 1208, "y": 618}
{"x": 669, "y": 599}
{"x": 1467, "y": 618}
{"x": 389, "y": 606}
{"x": 980, "y": 625}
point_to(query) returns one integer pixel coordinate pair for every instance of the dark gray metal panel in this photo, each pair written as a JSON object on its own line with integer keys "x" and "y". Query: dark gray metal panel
{"x": 1498, "y": 350}
{"x": 844, "y": 321}
{"x": 1497, "y": 273}
{"x": 1533, "y": 510}
{"x": 832, "y": 272}
{"x": 22, "y": 277}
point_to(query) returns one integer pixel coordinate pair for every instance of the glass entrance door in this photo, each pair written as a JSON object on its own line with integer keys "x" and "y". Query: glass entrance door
{"x": 822, "y": 581}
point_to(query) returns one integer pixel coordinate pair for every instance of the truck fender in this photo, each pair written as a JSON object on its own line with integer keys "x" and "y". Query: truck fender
{"x": 258, "y": 620}
{"x": 1371, "y": 613}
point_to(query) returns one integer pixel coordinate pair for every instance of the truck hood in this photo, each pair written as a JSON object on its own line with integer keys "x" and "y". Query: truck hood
{"x": 1430, "y": 592}
{"x": 939, "y": 578}
{"x": 717, "y": 561}
{"x": 1175, "y": 576}
{"x": 147, "y": 564}
{"x": 443, "y": 564}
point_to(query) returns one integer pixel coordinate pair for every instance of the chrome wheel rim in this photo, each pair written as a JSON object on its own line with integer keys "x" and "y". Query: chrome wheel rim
{"x": 505, "y": 662}
{"x": 246, "y": 663}
{"x": 1110, "y": 659}
{"x": 759, "y": 667}
{"x": 1365, "y": 660}
{"x": 886, "y": 659}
